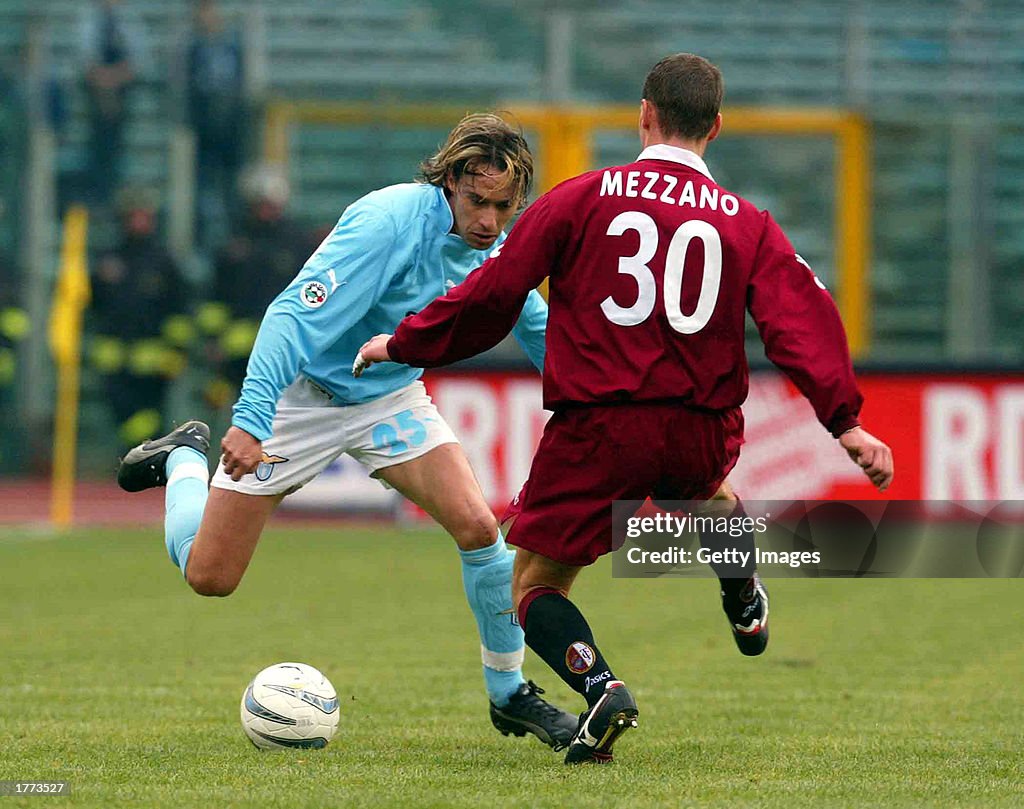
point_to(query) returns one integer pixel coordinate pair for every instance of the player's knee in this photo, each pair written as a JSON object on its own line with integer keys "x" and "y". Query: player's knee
{"x": 475, "y": 528}
{"x": 524, "y": 576}
{"x": 519, "y": 590}
{"x": 210, "y": 583}
{"x": 534, "y": 572}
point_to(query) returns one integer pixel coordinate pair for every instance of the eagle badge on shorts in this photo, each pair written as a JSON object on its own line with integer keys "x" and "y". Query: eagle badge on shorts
{"x": 265, "y": 468}
{"x": 579, "y": 657}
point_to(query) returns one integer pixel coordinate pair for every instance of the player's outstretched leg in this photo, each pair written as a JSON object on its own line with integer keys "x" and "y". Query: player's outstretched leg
{"x": 458, "y": 505}
{"x": 744, "y": 597}
{"x": 557, "y": 631}
{"x": 177, "y": 461}
{"x": 515, "y": 706}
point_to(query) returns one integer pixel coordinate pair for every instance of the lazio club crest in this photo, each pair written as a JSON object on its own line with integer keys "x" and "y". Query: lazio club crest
{"x": 265, "y": 468}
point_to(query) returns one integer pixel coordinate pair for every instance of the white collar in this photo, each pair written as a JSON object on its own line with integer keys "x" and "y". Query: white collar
{"x": 662, "y": 151}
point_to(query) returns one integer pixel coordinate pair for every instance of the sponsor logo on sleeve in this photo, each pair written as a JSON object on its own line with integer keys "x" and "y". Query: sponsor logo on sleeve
{"x": 313, "y": 295}
{"x": 334, "y": 280}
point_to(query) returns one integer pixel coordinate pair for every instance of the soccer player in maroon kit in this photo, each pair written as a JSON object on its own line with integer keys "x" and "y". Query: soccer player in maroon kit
{"x": 651, "y": 269}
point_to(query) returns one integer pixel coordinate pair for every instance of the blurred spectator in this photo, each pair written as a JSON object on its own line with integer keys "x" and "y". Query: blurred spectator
{"x": 216, "y": 113}
{"x": 13, "y": 321}
{"x": 14, "y": 328}
{"x": 30, "y": 95}
{"x": 13, "y": 138}
{"x": 261, "y": 257}
{"x": 112, "y": 54}
{"x": 138, "y": 319}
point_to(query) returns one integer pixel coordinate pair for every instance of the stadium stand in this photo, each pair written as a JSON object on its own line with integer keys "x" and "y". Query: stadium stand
{"x": 950, "y": 56}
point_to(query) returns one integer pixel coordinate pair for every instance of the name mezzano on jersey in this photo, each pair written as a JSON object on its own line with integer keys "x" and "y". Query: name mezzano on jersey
{"x": 663, "y": 187}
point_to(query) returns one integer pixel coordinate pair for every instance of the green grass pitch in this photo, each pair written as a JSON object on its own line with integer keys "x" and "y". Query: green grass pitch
{"x": 117, "y": 678}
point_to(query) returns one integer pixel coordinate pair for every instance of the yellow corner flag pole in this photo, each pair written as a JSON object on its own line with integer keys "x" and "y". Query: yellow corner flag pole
{"x": 71, "y": 296}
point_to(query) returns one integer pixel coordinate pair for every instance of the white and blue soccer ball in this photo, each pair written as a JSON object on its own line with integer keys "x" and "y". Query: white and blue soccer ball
{"x": 290, "y": 705}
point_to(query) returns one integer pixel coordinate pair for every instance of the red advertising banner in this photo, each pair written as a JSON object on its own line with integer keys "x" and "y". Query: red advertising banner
{"x": 953, "y": 436}
{"x": 499, "y": 419}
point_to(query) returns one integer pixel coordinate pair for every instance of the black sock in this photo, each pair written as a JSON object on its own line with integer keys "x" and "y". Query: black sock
{"x": 557, "y": 631}
{"x": 725, "y": 534}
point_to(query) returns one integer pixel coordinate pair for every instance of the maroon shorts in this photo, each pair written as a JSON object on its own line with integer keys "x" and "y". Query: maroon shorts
{"x": 590, "y": 456}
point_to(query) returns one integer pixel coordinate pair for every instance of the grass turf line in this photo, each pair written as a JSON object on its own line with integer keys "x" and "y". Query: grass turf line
{"x": 119, "y": 680}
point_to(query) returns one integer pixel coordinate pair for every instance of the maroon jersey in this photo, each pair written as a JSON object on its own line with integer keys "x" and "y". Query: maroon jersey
{"x": 652, "y": 266}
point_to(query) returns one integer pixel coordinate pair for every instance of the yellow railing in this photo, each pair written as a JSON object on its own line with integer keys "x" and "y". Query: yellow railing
{"x": 70, "y": 298}
{"x": 565, "y": 149}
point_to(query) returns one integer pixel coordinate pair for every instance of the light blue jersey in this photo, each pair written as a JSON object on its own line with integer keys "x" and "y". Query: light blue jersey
{"x": 390, "y": 254}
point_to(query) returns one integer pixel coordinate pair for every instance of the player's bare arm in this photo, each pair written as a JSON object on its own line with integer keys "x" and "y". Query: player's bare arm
{"x": 870, "y": 454}
{"x": 241, "y": 453}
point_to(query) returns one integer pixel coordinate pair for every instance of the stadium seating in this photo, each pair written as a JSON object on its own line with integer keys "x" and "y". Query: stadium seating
{"x": 899, "y": 68}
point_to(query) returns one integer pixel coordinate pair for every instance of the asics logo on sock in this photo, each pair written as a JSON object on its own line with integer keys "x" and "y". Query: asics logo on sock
{"x": 605, "y": 675}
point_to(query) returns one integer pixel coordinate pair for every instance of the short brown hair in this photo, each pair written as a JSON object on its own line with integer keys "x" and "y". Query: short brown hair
{"x": 686, "y": 89}
{"x": 479, "y": 140}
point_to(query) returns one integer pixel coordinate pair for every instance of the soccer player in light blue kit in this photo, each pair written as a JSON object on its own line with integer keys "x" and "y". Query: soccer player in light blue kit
{"x": 391, "y": 253}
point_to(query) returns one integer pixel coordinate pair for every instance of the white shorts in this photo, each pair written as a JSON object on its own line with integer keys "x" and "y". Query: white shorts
{"x": 310, "y": 432}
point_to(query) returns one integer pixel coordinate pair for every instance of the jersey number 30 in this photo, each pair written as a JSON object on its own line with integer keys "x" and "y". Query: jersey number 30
{"x": 636, "y": 266}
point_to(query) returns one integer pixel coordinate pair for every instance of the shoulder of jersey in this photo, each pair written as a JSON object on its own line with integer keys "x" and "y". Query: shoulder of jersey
{"x": 403, "y": 199}
{"x": 580, "y": 181}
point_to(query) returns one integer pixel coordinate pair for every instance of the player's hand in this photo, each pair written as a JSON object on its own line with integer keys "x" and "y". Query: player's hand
{"x": 870, "y": 454}
{"x": 241, "y": 453}
{"x": 373, "y": 350}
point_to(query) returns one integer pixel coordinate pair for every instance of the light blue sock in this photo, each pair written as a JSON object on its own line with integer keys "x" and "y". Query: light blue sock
{"x": 185, "y": 499}
{"x": 487, "y": 577}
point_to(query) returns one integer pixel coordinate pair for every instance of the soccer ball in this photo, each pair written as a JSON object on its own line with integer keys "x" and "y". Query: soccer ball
{"x": 290, "y": 705}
